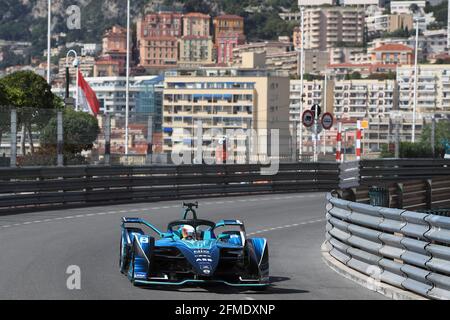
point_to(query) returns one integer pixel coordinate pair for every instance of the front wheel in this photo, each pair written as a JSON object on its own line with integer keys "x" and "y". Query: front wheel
{"x": 122, "y": 257}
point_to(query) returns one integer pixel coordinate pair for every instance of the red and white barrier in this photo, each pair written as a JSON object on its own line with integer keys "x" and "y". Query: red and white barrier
{"x": 358, "y": 140}
{"x": 339, "y": 154}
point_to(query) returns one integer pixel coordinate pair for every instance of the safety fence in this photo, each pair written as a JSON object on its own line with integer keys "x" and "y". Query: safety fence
{"x": 406, "y": 249}
{"x": 46, "y": 187}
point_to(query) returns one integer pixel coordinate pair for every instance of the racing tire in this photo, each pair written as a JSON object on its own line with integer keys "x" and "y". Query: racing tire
{"x": 123, "y": 254}
{"x": 255, "y": 268}
{"x": 124, "y": 251}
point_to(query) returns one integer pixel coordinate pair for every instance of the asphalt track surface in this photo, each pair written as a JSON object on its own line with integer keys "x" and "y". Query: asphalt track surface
{"x": 37, "y": 248}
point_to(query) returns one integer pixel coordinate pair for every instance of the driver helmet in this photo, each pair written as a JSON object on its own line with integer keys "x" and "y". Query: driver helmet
{"x": 188, "y": 232}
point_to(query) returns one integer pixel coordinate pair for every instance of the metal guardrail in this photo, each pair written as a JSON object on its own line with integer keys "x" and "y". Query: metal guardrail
{"x": 401, "y": 170}
{"x": 46, "y": 187}
{"x": 406, "y": 249}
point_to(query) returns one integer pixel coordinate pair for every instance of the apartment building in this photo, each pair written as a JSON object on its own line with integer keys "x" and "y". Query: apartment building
{"x": 115, "y": 40}
{"x": 267, "y": 47}
{"x": 225, "y": 44}
{"x": 196, "y": 45}
{"x": 433, "y": 89}
{"x": 327, "y": 26}
{"x": 436, "y": 42}
{"x": 106, "y": 66}
{"x": 86, "y": 66}
{"x": 223, "y": 98}
{"x": 310, "y": 3}
{"x": 356, "y": 55}
{"x": 112, "y": 61}
{"x": 364, "y": 3}
{"x": 157, "y": 37}
{"x": 372, "y": 100}
{"x": 228, "y": 34}
{"x": 313, "y": 92}
{"x": 363, "y": 98}
{"x": 379, "y": 24}
{"x": 228, "y": 23}
{"x": 111, "y": 93}
{"x": 404, "y": 7}
{"x": 392, "y": 54}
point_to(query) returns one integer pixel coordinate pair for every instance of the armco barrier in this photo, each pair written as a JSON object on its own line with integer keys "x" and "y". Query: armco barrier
{"x": 406, "y": 249}
{"x": 47, "y": 187}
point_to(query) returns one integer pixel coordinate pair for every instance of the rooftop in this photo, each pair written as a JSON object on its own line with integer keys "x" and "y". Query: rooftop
{"x": 393, "y": 47}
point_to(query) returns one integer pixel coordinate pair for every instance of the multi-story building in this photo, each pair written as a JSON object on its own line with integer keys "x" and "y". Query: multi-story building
{"x": 364, "y": 3}
{"x": 342, "y": 71}
{"x": 228, "y": 23}
{"x": 115, "y": 40}
{"x": 145, "y": 101}
{"x": 433, "y": 89}
{"x": 280, "y": 57}
{"x": 228, "y": 33}
{"x": 267, "y": 47}
{"x": 436, "y": 42}
{"x": 392, "y": 54}
{"x": 111, "y": 93}
{"x": 112, "y": 61}
{"x": 157, "y": 37}
{"x": 86, "y": 66}
{"x": 313, "y": 93}
{"x": 431, "y": 43}
{"x": 356, "y": 55}
{"x": 371, "y": 100}
{"x": 326, "y": 27}
{"x": 107, "y": 67}
{"x": 225, "y": 44}
{"x": 310, "y": 3}
{"x": 404, "y": 7}
{"x": 195, "y": 46}
{"x": 224, "y": 98}
{"x": 379, "y": 24}
{"x": 363, "y": 98}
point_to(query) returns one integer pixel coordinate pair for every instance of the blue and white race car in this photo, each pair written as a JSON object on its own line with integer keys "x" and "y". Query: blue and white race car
{"x": 193, "y": 251}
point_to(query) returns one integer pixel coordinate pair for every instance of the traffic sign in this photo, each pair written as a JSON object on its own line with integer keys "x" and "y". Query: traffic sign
{"x": 308, "y": 118}
{"x": 319, "y": 109}
{"x": 327, "y": 121}
{"x": 364, "y": 124}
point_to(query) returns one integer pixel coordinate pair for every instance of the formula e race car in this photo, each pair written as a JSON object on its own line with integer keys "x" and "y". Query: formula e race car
{"x": 193, "y": 251}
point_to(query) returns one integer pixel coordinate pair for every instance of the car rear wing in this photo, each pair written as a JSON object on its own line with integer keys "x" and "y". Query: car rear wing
{"x": 224, "y": 223}
{"x": 128, "y": 220}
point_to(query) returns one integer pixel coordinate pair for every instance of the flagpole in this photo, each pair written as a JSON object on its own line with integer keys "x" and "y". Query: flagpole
{"x": 127, "y": 100}
{"x": 77, "y": 93}
{"x": 49, "y": 39}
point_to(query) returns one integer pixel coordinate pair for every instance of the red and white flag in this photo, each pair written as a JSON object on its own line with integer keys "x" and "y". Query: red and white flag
{"x": 87, "y": 98}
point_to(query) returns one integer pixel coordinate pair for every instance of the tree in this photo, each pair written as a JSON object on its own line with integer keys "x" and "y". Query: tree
{"x": 197, "y": 6}
{"x": 31, "y": 96}
{"x": 442, "y": 133}
{"x": 80, "y": 132}
{"x": 414, "y": 8}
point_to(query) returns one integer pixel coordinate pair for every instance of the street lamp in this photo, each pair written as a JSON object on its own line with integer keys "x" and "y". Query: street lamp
{"x": 127, "y": 90}
{"x": 76, "y": 64}
{"x": 415, "y": 81}
{"x": 49, "y": 39}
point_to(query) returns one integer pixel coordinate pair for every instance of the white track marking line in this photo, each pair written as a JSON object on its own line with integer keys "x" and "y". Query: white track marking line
{"x": 286, "y": 226}
{"x": 174, "y": 206}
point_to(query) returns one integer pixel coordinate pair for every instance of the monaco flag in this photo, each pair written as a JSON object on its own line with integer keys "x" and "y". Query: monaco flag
{"x": 87, "y": 99}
